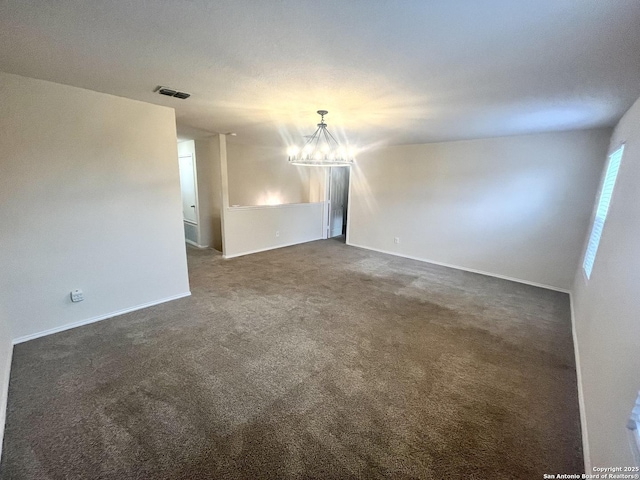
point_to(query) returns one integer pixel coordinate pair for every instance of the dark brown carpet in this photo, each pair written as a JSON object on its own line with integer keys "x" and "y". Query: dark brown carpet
{"x": 314, "y": 361}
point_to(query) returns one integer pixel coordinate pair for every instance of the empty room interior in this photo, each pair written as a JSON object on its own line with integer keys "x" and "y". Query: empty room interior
{"x": 338, "y": 240}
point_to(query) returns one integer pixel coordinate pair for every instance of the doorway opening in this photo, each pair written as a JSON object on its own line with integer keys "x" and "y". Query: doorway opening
{"x": 189, "y": 191}
{"x": 338, "y": 203}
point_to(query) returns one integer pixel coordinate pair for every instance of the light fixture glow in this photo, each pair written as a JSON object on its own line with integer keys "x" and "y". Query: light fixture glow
{"x": 321, "y": 150}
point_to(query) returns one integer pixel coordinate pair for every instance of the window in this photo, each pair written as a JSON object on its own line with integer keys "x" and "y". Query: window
{"x": 602, "y": 210}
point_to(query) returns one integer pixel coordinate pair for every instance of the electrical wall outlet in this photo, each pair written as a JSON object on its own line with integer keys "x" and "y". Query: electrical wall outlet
{"x": 277, "y": 233}
{"x": 396, "y": 240}
{"x": 77, "y": 295}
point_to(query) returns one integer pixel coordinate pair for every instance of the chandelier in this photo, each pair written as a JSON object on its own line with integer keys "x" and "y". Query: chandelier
{"x": 321, "y": 149}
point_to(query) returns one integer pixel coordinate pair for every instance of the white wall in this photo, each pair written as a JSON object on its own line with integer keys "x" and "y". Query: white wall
{"x": 253, "y": 229}
{"x": 318, "y": 179}
{"x": 607, "y": 308}
{"x": 513, "y": 206}
{"x": 90, "y": 199}
{"x": 209, "y": 191}
{"x": 270, "y": 196}
{"x": 263, "y": 176}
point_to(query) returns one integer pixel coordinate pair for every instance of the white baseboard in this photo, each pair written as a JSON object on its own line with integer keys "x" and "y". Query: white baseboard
{"x": 250, "y": 252}
{"x": 583, "y": 414}
{"x": 194, "y": 244}
{"x": 80, "y": 323}
{"x": 4, "y": 397}
{"x": 457, "y": 267}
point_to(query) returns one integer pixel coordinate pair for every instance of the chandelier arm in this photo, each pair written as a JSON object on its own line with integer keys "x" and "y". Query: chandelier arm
{"x": 333, "y": 138}
{"x": 340, "y": 156}
{"x": 309, "y": 142}
{"x": 317, "y": 138}
{"x": 327, "y": 137}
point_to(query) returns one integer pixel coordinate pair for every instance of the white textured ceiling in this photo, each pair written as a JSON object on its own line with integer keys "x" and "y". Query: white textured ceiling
{"x": 388, "y": 71}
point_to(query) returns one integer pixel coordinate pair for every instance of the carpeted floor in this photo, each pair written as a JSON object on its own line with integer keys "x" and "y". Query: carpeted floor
{"x": 314, "y": 361}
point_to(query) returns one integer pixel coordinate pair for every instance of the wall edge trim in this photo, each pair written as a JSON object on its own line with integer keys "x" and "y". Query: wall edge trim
{"x": 80, "y": 323}
{"x": 196, "y": 245}
{"x": 471, "y": 270}
{"x": 583, "y": 414}
{"x": 5, "y": 393}
{"x": 250, "y": 252}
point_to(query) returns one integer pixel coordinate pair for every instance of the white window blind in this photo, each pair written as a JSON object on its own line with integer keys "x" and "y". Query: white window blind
{"x": 603, "y": 208}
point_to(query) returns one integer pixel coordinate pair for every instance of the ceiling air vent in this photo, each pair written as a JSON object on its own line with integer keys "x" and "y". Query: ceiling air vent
{"x": 169, "y": 92}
